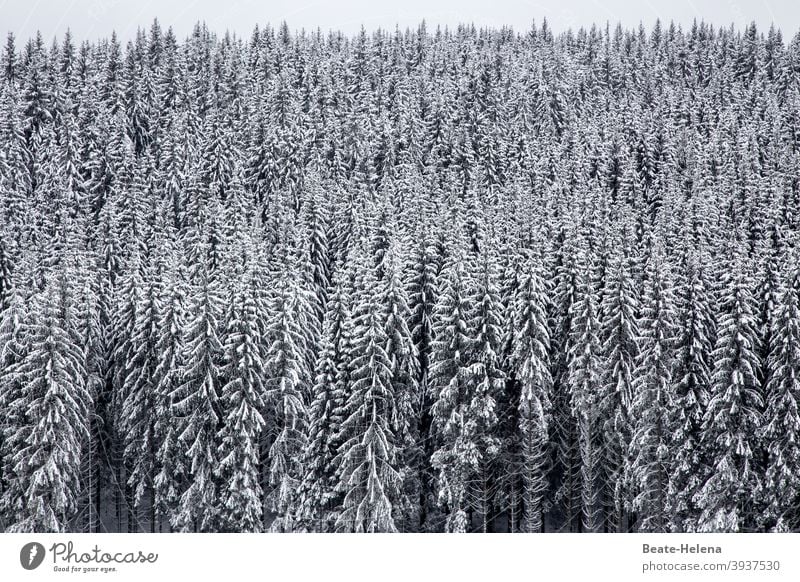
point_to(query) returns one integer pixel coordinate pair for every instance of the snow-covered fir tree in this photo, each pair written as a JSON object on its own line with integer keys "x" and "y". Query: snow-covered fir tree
{"x": 650, "y": 448}
{"x": 241, "y": 404}
{"x": 732, "y": 420}
{"x": 530, "y": 357}
{"x": 369, "y": 477}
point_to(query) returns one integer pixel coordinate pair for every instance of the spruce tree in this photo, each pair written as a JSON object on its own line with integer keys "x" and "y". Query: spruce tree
{"x": 781, "y": 420}
{"x": 241, "y": 402}
{"x": 650, "y": 449}
{"x": 285, "y": 407}
{"x": 620, "y": 337}
{"x": 169, "y": 347}
{"x": 456, "y": 456}
{"x": 315, "y": 511}
{"x": 369, "y": 477}
{"x": 12, "y": 400}
{"x": 531, "y": 362}
{"x": 692, "y": 380}
{"x": 197, "y": 405}
{"x": 584, "y": 380}
{"x": 487, "y": 382}
{"x": 404, "y": 365}
{"x": 732, "y": 421}
{"x": 56, "y": 424}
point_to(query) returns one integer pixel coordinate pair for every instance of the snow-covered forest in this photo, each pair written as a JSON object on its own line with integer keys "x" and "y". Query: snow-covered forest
{"x": 422, "y": 280}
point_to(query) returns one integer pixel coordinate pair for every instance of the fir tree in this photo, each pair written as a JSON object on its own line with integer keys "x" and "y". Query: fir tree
{"x": 530, "y": 359}
{"x": 584, "y": 378}
{"x": 56, "y": 423}
{"x": 241, "y": 402}
{"x": 781, "y": 421}
{"x": 457, "y": 454}
{"x": 651, "y": 451}
{"x": 315, "y": 511}
{"x": 285, "y": 407}
{"x": 369, "y": 478}
{"x": 732, "y": 420}
{"x": 620, "y": 337}
{"x": 692, "y": 379}
{"x": 197, "y": 407}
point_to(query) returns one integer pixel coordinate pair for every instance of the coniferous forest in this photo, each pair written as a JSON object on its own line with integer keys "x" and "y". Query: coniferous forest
{"x": 414, "y": 280}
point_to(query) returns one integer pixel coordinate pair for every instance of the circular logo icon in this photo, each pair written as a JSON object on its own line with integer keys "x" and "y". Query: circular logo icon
{"x": 31, "y": 555}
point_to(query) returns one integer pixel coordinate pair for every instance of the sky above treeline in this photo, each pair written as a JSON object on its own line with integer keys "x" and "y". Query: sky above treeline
{"x": 91, "y": 19}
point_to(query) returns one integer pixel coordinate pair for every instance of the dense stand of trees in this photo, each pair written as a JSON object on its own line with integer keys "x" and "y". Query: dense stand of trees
{"x": 450, "y": 280}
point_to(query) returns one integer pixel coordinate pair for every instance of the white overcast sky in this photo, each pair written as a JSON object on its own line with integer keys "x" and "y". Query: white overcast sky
{"x": 89, "y": 19}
